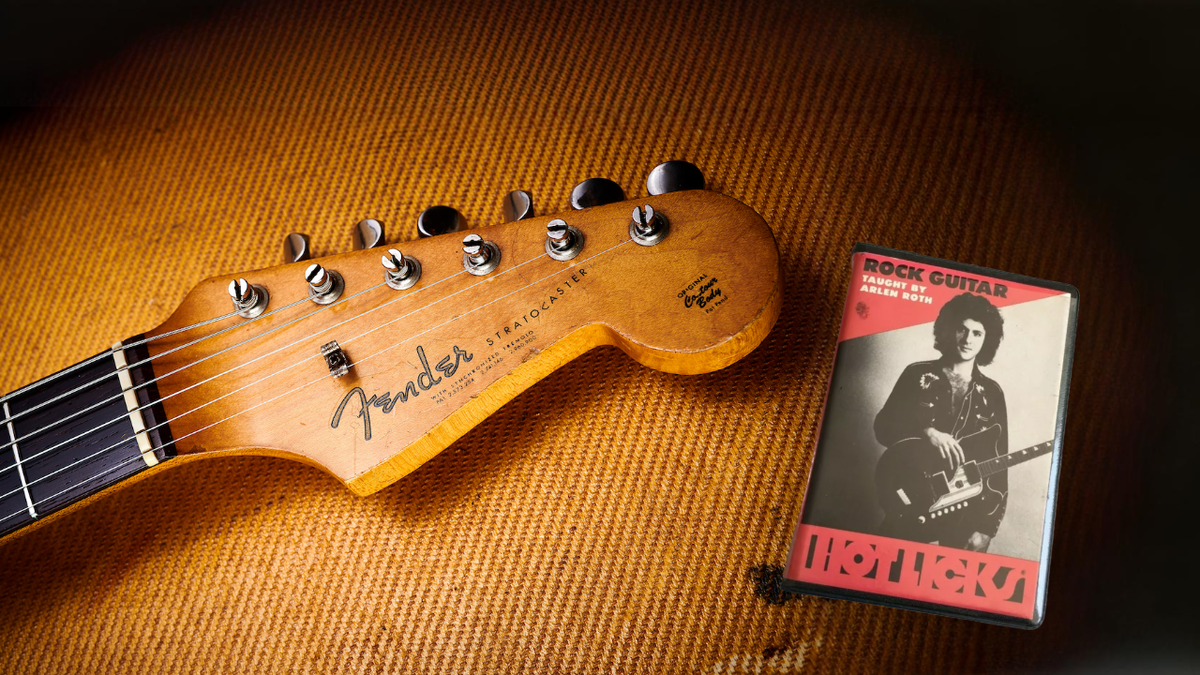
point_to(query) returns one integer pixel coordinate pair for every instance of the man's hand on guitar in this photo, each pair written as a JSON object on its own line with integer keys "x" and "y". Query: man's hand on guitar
{"x": 946, "y": 444}
{"x": 978, "y": 542}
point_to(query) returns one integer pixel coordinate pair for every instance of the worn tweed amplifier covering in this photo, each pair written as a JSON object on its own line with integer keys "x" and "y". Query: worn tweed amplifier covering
{"x": 612, "y": 518}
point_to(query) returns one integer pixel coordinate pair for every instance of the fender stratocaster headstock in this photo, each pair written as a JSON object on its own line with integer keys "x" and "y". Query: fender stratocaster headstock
{"x": 357, "y": 367}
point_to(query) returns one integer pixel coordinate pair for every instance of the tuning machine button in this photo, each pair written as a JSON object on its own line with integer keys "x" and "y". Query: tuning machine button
{"x": 295, "y": 248}
{"x": 249, "y": 300}
{"x": 563, "y": 242}
{"x": 479, "y": 256}
{"x": 437, "y": 220}
{"x": 596, "y": 192}
{"x": 674, "y": 176}
{"x": 648, "y": 227}
{"x": 324, "y": 286}
{"x": 400, "y": 271}
{"x": 518, "y": 205}
{"x": 368, "y": 233}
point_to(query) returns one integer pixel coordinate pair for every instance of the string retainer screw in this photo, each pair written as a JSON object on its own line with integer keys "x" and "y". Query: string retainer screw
{"x": 335, "y": 358}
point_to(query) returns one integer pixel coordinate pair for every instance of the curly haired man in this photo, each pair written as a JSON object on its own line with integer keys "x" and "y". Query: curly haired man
{"x": 944, "y": 400}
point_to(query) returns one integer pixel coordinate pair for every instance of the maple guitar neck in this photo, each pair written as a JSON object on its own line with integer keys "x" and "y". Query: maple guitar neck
{"x": 422, "y": 364}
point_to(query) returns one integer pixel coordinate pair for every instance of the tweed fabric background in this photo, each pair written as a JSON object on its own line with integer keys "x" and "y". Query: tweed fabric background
{"x": 609, "y": 518}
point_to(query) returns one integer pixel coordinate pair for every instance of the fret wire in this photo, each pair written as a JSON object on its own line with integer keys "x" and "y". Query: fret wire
{"x": 98, "y": 476}
{"x": 162, "y": 424}
{"x": 94, "y": 429}
{"x": 20, "y": 469}
{"x": 118, "y": 370}
{"x": 319, "y": 379}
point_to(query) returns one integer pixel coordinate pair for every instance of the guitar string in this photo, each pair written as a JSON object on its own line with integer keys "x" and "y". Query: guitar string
{"x": 144, "y": 361}
{"x": 106, "y": 354}
{"x": 240, "y": 365}
{"x": 109, "y": 353}
{"x": 309, "y": 337}
{"x": 325, "y": 330}
{"x": 301, "y": 361}
{"x": 119, "y": 418}
{"x": 319, "y": 379}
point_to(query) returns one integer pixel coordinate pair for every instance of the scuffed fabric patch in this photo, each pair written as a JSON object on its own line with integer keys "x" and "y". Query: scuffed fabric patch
{"x": 772, "y": 660}
{"x": 768, "y": 584}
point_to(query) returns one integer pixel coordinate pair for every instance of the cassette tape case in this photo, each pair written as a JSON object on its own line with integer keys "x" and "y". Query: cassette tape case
{"x": 935, "y": 473}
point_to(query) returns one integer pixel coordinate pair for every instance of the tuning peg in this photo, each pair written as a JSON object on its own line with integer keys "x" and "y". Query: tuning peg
{"x": 648, "y": 227}
{"x": 368, "y": 234}
{"x": 479, "y": 256}
{"x": 518, "y": 205}
{"x": 295, "y": 248}
{"x": 563, "y": 242}
{"x": 437, "y": 220}
{"x": 249, "y": 300}
{"x": 596, "y": 192}
{"x": 324, "y": 286}
{"x": 674, "y": 176}
{"x": 400, "y": 271}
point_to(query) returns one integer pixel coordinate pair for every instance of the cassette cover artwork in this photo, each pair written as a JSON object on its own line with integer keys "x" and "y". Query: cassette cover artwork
{"x": 936, "y": 468}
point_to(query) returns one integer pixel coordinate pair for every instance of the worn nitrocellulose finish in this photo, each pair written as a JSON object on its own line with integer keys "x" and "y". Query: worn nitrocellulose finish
{"x": 609, "y": 518}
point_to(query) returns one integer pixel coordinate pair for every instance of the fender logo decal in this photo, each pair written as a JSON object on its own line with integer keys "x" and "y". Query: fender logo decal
{"x": 424, "y": 381}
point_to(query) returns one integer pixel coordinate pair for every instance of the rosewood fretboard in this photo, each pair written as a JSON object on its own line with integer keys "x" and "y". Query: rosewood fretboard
{"x": 75, "y": 436}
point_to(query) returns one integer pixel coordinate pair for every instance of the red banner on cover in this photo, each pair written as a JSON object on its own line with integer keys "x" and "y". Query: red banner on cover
{"x": 888, "y": 293}
{"x": 906, "y": 569}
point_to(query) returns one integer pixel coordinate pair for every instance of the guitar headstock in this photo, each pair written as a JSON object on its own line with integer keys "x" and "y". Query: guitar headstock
{"x": 425, "y": 360}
